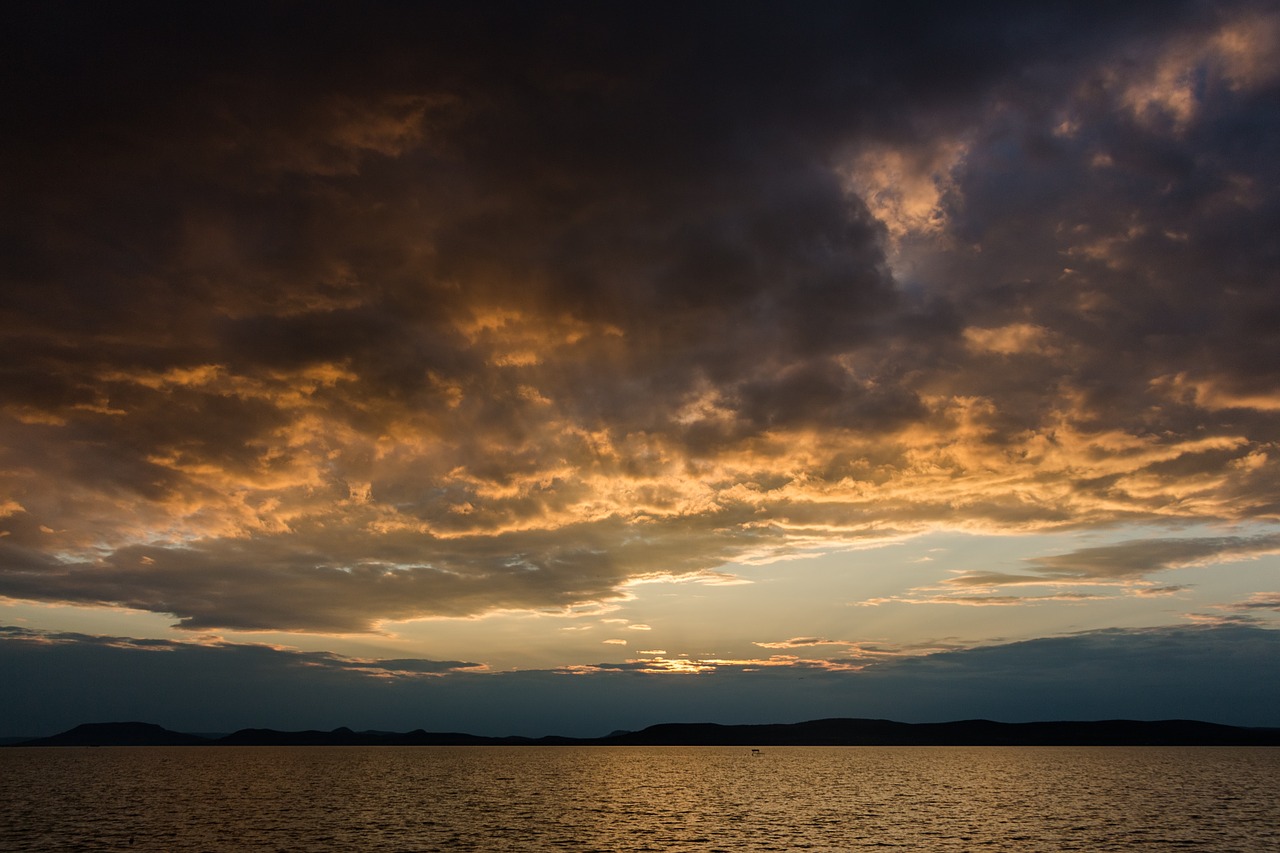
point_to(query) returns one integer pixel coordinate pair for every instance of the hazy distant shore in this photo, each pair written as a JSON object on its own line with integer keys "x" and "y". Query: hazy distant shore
{"x": 832, "y": 732}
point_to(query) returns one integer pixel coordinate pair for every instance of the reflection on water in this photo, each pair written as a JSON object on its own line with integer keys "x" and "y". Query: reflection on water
{"x": 639, "y": 798}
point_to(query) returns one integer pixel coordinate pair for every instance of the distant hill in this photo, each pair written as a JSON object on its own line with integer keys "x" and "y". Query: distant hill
{"x": 833, "y": 732}
{"x": 346, "y": 737}
{"x": 118, "y": 734}
{"x": 854, "y": 732}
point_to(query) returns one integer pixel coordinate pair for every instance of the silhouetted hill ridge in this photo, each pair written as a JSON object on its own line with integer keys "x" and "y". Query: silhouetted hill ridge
{"x": 860, "y": 732}
{"x": 826, "y": 732}
{"x": 118, "y": 734}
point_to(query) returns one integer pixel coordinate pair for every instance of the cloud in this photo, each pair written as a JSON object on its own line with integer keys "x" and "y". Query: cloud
{"x": 1154, "y": 591}
{"x": 1257, "y": 601}
{"x": 1010, "y": 340}
{"x": 1224, "y": 673}
{"x": 1126, "y": 561}
{"x": 800, "y": 643}
{"x": 904, "y": 188}
{"x": 284, "y": 657}
{"x": 978, "y": 600}
{"x": 418, "y": 317}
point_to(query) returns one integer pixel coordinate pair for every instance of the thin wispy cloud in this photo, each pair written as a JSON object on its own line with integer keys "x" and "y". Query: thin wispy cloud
{"x": 1125, "y": 561}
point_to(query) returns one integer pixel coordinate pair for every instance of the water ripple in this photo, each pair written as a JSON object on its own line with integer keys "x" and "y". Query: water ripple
{"x": 598, "y": 799}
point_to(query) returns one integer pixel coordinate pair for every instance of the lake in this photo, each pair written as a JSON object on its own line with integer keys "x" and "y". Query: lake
{"x": 639, "y": 798}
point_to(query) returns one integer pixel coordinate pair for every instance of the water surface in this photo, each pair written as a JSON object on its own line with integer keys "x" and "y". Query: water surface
{"x": 639, "y": 798}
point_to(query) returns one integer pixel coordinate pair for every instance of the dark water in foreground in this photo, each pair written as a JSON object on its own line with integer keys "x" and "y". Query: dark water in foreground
{"x": 640, "y": 798}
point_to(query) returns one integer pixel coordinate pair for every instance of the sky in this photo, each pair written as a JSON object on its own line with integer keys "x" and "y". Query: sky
{"x": 525, "y": 368}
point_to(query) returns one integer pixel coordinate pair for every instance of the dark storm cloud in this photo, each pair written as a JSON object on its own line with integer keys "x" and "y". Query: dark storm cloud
{"x": 1224, "y": 674}
{"x": 311, "y": 320}
{"x": 1159, "y": 255}
{"x": 1104, "y": 674}
{"x": 322, "y": 580}
{"x": 283, "y": 659}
